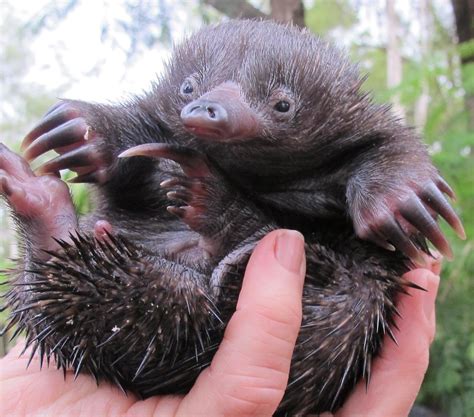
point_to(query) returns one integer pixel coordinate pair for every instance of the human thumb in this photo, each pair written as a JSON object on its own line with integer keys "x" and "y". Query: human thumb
{"x": 249, "y": 373}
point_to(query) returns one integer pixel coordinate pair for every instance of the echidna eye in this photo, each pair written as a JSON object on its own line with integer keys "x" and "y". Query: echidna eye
{"x": 282, "y": 106}
{"x": 187, "y": 88}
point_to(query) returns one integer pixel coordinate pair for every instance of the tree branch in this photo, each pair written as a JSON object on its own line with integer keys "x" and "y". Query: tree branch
{"x": 236, "y": 9}
{"x": 286, "y": 11}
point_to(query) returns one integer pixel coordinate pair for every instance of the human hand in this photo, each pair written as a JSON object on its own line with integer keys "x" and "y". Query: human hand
{"x": 249, "y": 373}
{"x": 398, "y": 372}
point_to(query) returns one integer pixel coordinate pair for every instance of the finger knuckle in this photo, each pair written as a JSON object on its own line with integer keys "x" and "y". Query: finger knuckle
{"x": 248, "y": 393}
{"x": 278, "y": 327}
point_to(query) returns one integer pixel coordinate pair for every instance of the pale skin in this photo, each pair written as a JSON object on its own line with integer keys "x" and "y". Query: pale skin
{"x": 249, "y": 372}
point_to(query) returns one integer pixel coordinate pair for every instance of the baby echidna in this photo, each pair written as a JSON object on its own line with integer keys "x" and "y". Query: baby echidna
{"x": 254, "y": 126}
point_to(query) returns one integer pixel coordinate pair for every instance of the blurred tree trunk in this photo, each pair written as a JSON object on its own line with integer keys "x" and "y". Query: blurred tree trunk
{"x": 288, "y": 11}
{"x": 394, "y": 58}
{"x": 284, "y": 11}
{"x": 464, "y": 16}
{"x": 236, "y": 9}
{"x": 423, "y": 101}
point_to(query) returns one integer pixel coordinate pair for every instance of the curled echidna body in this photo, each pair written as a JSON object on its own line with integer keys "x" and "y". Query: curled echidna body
{"x": 253, "y": 127}
{"x": 90, "y": 308}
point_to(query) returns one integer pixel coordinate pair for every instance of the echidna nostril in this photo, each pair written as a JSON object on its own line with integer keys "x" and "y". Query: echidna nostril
{"x": 211, "y": 112}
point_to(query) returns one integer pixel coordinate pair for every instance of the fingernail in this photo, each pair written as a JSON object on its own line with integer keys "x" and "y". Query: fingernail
{"x": 289, "y": 249}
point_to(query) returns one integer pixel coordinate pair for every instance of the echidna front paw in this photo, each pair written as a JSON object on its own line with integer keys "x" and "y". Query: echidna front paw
{"x": 189, "y": 196}
{"x": 196, "y": 195}
{"x": 200, "y": 197}
{"x": 404, "y": 217}
{"x": 44, "y": 203}
{"x": 65, "y": 130}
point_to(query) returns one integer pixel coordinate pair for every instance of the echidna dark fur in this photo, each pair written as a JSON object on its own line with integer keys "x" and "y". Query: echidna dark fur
{"x": 254, "y": 126}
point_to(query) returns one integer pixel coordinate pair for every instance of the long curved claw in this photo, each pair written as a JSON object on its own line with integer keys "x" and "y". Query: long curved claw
{"x": 395, "y": 234}
{"x": 379, "y": 240}
{"x": 95, "y": 176}
{"x": 57, "y": 115}
{"x": 180, "y": 189}
{"x": 54, "y": 107}
{"x": 407, "y": 217}
{"x": 190, "y": 161}
{"x": 178, "y": 211}
{"x": 86, "y": 155}
{"x": 179, "y": 154}
{"x": 445, "y": 188}
{"x": 182, "y": 196}
{"x": 187, "y": 214}
{"x": 419, "y": 217}
{"x": 434, "y": 198}
{"x": 175, "y": 181}
{"x": 69, "y": 133}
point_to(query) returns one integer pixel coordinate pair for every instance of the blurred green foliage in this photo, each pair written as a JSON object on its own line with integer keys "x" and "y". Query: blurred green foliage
{"x": 325, "y": 15}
